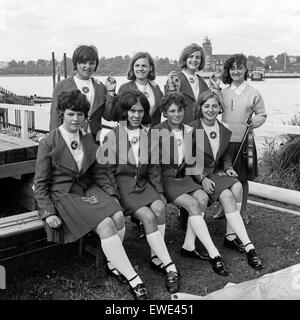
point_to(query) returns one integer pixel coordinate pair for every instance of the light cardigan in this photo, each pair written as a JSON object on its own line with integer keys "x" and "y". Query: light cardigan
{"x": 237, "y": 109}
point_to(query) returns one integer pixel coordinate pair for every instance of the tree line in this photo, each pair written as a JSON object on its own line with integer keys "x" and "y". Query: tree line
{"x": 118, "y": 65}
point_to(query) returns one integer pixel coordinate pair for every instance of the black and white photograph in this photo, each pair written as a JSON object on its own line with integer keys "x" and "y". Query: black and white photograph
{"x": 149, "y": 151}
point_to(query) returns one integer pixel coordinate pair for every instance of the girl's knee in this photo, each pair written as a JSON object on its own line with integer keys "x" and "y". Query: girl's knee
{"x": 106, "y": 228}
{"x": 194, "y": 206}
{"x": 226, "y": 195}
{"x": 159, "y": 209}
{"x": 118, "y": 219}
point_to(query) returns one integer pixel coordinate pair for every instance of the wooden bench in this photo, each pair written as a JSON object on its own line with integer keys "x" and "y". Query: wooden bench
{"x": 28, "y": 222}
{"x": 16, "y": 225}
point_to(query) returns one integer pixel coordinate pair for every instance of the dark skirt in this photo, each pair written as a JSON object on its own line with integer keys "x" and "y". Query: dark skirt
{"x": 173, "y": 187}
{"x": 221, "y": 183}
{"x": 81, "y": 211}
{"x": 136, "y": 197}
{"x": 241, "y": 165}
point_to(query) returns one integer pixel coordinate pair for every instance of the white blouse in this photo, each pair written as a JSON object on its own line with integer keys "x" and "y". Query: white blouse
{"x": 70, "y": 137}
{"x": 148, "y": 92}
{"x": 194, "y": 82}
{"x": 213, "y": 134}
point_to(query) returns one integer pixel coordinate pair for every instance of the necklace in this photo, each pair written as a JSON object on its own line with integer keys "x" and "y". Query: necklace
{"x": 85, "y": 89}
{"x": 213, "y": 134}
{"x": 74, "y": 145}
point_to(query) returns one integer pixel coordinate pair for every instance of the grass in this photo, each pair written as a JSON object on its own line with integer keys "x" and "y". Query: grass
{"x": 275, "y": 235}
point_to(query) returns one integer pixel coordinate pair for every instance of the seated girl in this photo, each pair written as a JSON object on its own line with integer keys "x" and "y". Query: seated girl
{"x": 68, "y": 187}
{"x": 180, "y": 188}
{"x": 138, "y": 185}
{"x": 218, "y": 179}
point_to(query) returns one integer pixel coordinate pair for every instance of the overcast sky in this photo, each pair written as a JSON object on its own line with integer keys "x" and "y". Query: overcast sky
{"x": 32, "y": 29}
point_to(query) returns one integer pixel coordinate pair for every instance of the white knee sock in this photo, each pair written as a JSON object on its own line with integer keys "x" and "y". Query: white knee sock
{"x": 157, "y": 244}
{"x": 162, "y": 230}
{"x": 190, "y": 238}
{"x": 230, "y": 234}
{"x": 115, "y": 253}
{"x": 200, "y": 228}
{"x": 238, "y": 226}
{"x": 121, "y": 233}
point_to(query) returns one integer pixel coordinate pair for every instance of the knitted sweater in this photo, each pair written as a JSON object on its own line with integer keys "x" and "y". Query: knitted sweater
{"x": 237, "y": 109}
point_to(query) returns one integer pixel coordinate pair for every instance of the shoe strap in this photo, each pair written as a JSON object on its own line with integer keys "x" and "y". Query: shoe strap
{"x": 133, "y": 278}
{"x": 247, "y": 244}
{"x": 154, "y": 257}
{"x": 169, "y": 264}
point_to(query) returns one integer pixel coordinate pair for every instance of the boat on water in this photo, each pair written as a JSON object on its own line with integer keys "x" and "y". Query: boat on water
{"x": 257, "y": 76}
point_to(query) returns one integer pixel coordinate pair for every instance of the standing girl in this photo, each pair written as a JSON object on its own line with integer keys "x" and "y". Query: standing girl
{"x": 240, "y": 101}
{"x": 188, "y": 82}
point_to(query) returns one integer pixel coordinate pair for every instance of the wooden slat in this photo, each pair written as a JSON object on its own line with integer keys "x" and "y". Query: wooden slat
{"x": 18, "y": 168}
{"x": 20, "y": 223}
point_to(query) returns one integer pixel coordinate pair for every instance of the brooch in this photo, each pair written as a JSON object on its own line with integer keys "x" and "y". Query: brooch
{"x": 134, "y": 140}
{"x": 85, "y": 89}
{"x": 213, "y": 134}
{"x": 74, "y": 145}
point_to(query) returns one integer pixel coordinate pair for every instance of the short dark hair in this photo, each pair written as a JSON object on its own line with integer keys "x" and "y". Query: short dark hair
{"x": 85, "y": 53}
{"x": 139, "y": 55}
{"x": 170, "y": 98}
{"x": 126, "y": 101}
{"x": 189, "y": 50}
{"x": 239, "y": 59}
{"x": 73, "y": 100}
{"x": 204, "y": 96}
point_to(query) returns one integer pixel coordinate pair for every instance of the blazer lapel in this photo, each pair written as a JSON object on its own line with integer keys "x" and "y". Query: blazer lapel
{"x": 62, "y": 155}
{"x": 207, "y": 147}
{"x": 89, "y": 152}
{"x": 99, "y": 96}
{"x": 224, "y": 140}
{"x": 185, "y": 86}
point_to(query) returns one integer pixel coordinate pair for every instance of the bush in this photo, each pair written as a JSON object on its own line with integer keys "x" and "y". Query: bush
{"x": 280, "y": 165}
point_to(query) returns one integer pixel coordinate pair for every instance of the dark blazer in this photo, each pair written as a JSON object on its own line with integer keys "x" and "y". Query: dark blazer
{"x": 156, "y": 115}
{"x": 124, "y": 172}
{"x": 56, "y": 170}
{"x": 223, "y": 160}
{"x": 187, "y": 91}
{"x": 172, "y": 168}
{"x": 102, "y": 104}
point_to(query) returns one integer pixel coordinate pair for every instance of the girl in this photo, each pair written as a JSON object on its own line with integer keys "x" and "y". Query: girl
{"x": 188, "y": 82}
{"x": 141, "y": 73}
{"x": 68, "y": 186}
{"x": 85, "y": 62}
{"x": 135, "y": 180}
{"x": 179, "y": 187}
{"x": 218, "y": 178}
{"x": 240, "y": 100}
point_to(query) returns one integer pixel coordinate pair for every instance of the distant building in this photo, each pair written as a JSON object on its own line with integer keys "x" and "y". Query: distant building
{"x": 213, "y": 62}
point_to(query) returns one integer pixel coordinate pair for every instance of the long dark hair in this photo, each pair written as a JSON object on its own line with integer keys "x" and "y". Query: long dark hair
{"x": 85, "y": 53}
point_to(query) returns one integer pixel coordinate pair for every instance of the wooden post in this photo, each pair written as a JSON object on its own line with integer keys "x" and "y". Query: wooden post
{"x": 53, "y": 69}
{"x": 58, "y": 73}
{"x": 24, "y": 124}
{"x": 65, "y": 66}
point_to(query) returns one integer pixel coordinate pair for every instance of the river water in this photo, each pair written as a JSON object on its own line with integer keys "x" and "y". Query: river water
{"x": 281, "y": 96}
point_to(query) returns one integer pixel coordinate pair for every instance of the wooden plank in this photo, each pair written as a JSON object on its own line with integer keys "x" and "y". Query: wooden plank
{"x": 18, "y": 168}
{"x": 19, "y": 223}
{"x": 17, "y": 140}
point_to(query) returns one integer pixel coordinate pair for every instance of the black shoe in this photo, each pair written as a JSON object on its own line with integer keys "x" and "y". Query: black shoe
{"x": 115, "y": 273}
{"x": 219, "y": 266}
{"x": 235, "y": 244}
{"x": 253, "y": 259}
{"x": 139, "y": 292}
{"x": 172, "y": 280}
{"x": 157, "y": 267}
{"x": 142, "y": 232}
{"x": 197, "y": 254}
